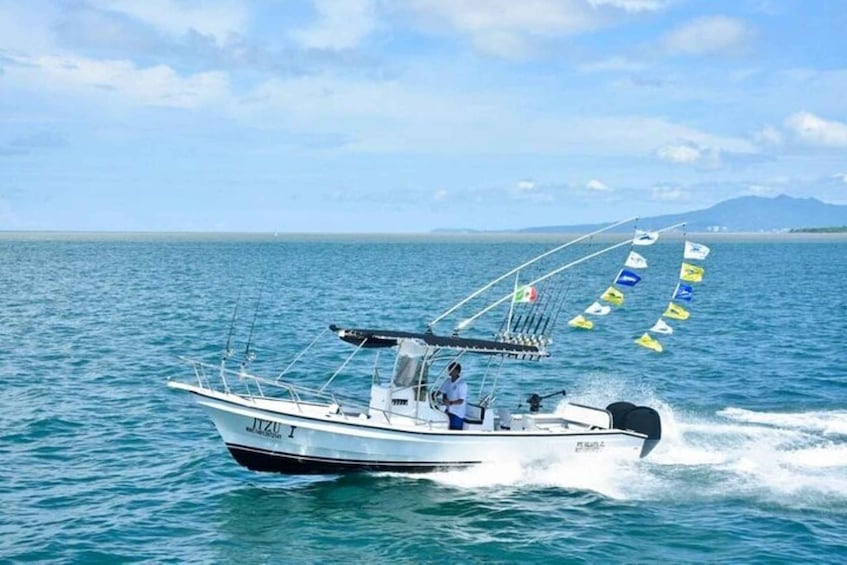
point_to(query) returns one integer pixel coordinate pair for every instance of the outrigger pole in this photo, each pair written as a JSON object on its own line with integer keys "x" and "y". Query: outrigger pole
{"x": 465, "y": 323}
{"x": 527, "y": 264}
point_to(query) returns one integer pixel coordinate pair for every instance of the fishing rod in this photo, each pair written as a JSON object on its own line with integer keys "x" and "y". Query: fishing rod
{"x": 247, "y": 353}
{"x": 531, "y": 313}
{"x": 558, "y": 303}
{"x": 517, "y": 323}
{"x": 544, "y": 318}
{"x": 525, "y": 314}
{"x": 561, "y": 301}
{"x": 467, "y": 322}
{"x": 545, "y": 307}
{"x": 561, "y": 304}
{"x": 504, "y": 324}
{"x": 227, "y": 351}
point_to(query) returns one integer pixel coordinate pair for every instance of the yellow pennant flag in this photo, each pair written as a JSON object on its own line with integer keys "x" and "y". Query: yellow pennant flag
{"x": 691, "y": 273}
{"x": 676, "y": 312}
{"x": 581, "y": 322}
{"x": 649, "y": 342}
{"x": 613, "y": 295}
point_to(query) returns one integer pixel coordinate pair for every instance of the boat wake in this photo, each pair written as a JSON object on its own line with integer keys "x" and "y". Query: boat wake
{"x": 829, "y": 423}
{"x": 793, "y": 460}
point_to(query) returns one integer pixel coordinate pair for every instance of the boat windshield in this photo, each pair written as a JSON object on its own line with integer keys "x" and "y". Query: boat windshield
{"x": 411, "y": 367}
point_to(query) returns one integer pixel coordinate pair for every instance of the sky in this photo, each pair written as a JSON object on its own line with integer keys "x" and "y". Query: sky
{"x": 412, "y": 115}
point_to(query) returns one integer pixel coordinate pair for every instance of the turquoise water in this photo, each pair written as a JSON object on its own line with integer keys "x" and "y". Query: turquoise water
{"x": 102, "y": 462}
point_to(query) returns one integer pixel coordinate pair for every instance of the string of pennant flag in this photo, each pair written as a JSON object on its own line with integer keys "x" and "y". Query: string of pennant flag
{"x": 688, "y": 273}
{"x": 613, "y": 297}
{"x": 626, "y": 277}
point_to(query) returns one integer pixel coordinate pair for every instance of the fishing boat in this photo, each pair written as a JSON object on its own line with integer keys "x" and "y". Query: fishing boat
{"x": 276, "y": 425}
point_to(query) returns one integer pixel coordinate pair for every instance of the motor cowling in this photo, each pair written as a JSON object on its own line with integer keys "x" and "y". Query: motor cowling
{"x": 619, "y": 410}
{"x": 640, "y": 419}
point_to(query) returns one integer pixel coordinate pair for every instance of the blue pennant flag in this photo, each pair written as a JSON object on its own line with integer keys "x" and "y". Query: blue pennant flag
{"x": 627, "y": 278}
{"x": 683, "y": 292}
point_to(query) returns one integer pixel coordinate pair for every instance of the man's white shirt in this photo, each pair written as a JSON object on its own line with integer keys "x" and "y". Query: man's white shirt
{"x": 455, "y": 391}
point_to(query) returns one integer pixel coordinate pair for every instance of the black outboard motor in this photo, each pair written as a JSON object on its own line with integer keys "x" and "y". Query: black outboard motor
{"x": 641, "y": 419}
{"x": 619, "y": 410}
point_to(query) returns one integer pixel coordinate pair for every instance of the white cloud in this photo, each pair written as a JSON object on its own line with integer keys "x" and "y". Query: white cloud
{"x": 532, "y": 16}
{"x": 342, "y": 24}
{"x": 708, "y": 35}
{"x": 705, "y": 154}
{"x": 768, "y": 135}
{"x": 817, "y": 131}
{"x": 507, "y": 28}
{"x": 595, "y": 184}
{"x": 841, "y": 176}
{"x": 680, "y": 153}
{"x": 159, "y": 85}
{"x": 633, "y": 6}
{"x": 526, "y": 186}
{"x": 372, "y": 116}
{"x": 528, "y": 190}
{"x": 628, "y": 134}
{"x": 440, "y": 195}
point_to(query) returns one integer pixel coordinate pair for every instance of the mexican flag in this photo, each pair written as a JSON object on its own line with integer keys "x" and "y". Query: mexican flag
{"x": 526, "y": 293}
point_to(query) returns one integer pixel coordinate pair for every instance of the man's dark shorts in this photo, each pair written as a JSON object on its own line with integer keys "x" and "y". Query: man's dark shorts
{"x": 456, "y": 423}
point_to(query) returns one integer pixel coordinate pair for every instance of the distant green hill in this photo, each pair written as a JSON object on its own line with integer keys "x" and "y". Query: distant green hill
{"x": 743, "y": 214}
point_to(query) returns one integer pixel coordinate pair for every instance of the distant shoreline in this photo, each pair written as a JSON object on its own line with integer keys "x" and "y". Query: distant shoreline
{"x": 482, "y": 237}
{"x": 840, "y": 229}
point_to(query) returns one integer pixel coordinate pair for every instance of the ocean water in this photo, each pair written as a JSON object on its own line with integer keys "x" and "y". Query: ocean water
{"x": 101, "y": 462}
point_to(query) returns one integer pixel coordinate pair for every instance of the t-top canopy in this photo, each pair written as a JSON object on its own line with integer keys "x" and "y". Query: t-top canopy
{"x": 389, "y": 338}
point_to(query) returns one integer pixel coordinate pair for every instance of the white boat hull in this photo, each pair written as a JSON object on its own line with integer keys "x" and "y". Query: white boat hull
{"x": 287, "y": 437}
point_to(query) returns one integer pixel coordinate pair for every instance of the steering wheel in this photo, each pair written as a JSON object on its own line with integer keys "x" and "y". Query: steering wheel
{"x": 436, "y": 398}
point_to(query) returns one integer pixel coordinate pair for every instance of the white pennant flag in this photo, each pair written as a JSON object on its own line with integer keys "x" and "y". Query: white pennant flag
{"x": 695, "y": 250}
{"x": 598, "y": 309}
{"x": 645, "y": 237}
{"x": 661, "y": 327}
{"x": 635, "y": 261}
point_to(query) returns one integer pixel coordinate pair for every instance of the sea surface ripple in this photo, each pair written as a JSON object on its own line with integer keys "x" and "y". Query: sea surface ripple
{"x": 102, "y": 462}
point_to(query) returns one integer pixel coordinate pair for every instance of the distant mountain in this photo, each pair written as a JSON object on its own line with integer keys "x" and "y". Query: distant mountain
{"x": 744, "y": 214}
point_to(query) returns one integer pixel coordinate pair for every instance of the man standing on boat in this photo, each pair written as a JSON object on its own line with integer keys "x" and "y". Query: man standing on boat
{"x": 454, "y": 392}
